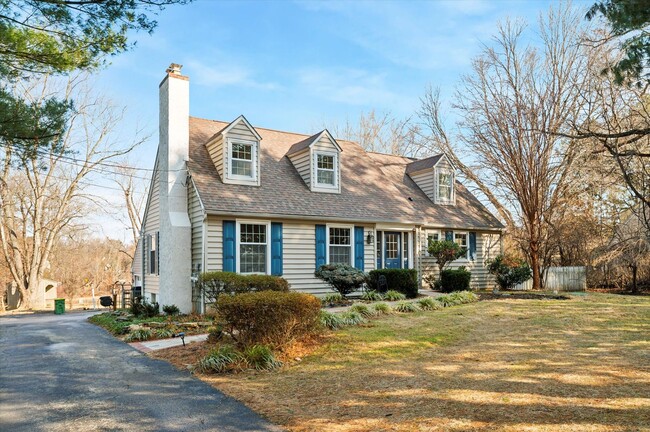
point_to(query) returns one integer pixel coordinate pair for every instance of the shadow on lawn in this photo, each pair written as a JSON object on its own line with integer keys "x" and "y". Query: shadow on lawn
{"x": 549, "y": 366}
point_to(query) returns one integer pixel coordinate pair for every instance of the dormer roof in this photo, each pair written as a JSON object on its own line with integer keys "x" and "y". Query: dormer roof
{"x": 308, "y": 142}
{"x": 426, "y": 163}
{"x": 235, "y": 122}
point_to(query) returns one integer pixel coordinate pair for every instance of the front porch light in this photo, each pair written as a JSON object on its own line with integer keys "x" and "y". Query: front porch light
{"x": 370, "y": 238}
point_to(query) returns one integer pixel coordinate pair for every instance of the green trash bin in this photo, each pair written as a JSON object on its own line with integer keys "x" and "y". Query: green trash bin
{"x": 59, "y": 306}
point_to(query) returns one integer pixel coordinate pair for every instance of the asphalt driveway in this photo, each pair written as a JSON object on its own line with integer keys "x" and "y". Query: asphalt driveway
{"x": 61, "y": 373}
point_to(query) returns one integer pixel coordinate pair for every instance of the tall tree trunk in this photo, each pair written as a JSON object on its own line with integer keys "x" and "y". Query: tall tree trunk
{"x": 635, "y": 287}
{"x": 535, "y": 265}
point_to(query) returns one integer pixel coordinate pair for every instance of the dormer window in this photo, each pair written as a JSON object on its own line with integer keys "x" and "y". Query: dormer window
{"x": 326, "y": 169}
{"x": 242, "y": 157}
{"x": 445, "y": 185}
{"x": 317, "y": 160}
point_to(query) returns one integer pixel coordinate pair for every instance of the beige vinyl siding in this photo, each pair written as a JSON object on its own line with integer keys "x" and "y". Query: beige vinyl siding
{"x": 136, "y": 266}
{"x": 151, "y": 225}
{"x": 425, "y": 181}
{"x": 369, "y": 258}
{"x": 298, "y": 254}
{"x": 214, "y": 244}
{"x": 216, "y": 151}
{"x": 301, "y": 162}
{"x": 487, "y": 247}
{"x": 196, "y": 219}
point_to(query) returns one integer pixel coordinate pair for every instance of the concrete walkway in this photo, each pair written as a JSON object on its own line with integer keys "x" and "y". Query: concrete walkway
{"x": 61, "y": 373}
{"x": 159, "y": 344}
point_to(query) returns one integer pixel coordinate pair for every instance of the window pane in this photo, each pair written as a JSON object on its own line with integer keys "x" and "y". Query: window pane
{"x": 325, "y": 177}
{"x": 326, "y": 162}
{"x": 340, "y": 254}
{"x": 391, "y": 246}
{"x": 252, "y": 233}
{"x": 242, "y": 151}
{"x": 242, "y": 168}
{"x": 252, "y": 258}
{"x": 461, "y": 240}
{"x": 379, "y": 245}
{"x": 339, "y": 236}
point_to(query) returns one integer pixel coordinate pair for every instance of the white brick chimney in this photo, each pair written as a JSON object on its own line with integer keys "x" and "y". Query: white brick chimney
{"x": 173, "y": 153}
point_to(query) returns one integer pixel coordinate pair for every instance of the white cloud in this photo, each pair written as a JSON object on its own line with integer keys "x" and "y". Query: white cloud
{"x": 348, "y": 86}
{"x": 225, "y": 74}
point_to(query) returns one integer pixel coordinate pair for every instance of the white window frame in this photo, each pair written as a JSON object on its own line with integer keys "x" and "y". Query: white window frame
{"x": 325, "y": 186}
{"x": 327, "y": 241}
{"x": 466, "y": 233}
{"x": 452, "y": 192}
{"x": 254, "y": 160}
{"x": 431, "y": 233}
{"x": 239, "y": 222}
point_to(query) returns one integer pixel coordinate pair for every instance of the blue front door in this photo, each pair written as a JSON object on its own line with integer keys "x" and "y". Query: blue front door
{"x": 392, "y": 250}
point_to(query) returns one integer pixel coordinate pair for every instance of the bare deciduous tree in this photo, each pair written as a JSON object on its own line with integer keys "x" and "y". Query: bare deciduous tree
{"x": 42, "y": 191}
{"x": 513, "y": 98}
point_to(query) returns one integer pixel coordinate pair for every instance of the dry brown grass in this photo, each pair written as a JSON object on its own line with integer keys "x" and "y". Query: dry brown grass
{"x": 508, "y": 365}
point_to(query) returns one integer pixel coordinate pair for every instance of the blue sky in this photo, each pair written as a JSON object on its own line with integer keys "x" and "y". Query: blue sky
{"x": 301, "y": 65}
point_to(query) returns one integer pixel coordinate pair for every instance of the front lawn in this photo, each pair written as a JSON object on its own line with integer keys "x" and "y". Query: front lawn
{"x": 512, "y": 365}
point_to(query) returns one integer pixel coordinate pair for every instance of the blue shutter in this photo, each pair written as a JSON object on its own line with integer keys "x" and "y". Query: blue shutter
{"x": 472, "y": 245}
{"x": 276, "y": 248}
{"x": 321, "y": 247}
{"x": 449, "y": 235}
{"x": 358, "y": 247}
{"x": 229, "y": 256}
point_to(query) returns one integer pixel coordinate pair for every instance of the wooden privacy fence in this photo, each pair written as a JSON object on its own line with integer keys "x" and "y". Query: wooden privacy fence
{"x": 560, "y": 279}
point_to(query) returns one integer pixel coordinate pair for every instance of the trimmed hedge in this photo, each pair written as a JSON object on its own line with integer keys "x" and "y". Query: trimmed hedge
{"x": 402, "y": 280}
{"x": 268, "y": 317}
{"x": 213, "y": 284}
{"x": 455, "y": 280}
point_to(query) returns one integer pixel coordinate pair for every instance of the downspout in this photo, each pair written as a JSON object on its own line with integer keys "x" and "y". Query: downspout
{"x": 203, "y": 260}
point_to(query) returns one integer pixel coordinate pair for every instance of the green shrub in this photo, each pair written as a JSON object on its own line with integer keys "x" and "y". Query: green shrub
{"x": 213, "y": 284}
{"x": 171, "y": 309}
{"x": 163, "y": 333}
{"x": 143, "y": 309}
{"x": 406, "y": 307}
{"x": 392, "y": 295}
{"x": 269, "y": 317}
{"x": 332, "y": 298}
{"x": 455, "y": 280}
{"x": 353, "y": 318}
{"x": 509, "y": 271}
{"x": 428, "y": 303}
{"x": 382, "y": 308}
{"x": 372, "y": 295}
{"x": 261, "y": 358}
{"x": 364, "y": 310}
{"x": 444, "y": 252}
{"x": 401, "y": 280}
{"x": 220, "y": 359}
{"x": 343, "y": 278}
{"x": 331, "y": 320}
{"x": 139, "y": 335}
{"x": 215, "y": 334}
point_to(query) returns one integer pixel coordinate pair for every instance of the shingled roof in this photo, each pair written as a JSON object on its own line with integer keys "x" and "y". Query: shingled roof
{"x": 374, "y": 187}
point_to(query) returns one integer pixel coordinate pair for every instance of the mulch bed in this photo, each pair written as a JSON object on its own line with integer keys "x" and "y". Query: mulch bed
{"x": 521, "y": 296}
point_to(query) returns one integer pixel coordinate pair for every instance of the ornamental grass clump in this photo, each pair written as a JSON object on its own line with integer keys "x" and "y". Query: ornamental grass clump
{"x": 406, "y": 307}
{"x": 353, "y": 318}
{"x": 261, "y": 358}
{"x": 362, "y": 309}
{"x": 332, "y": 298}
{"x": 139, "y": 335}
{"x": 392, "y": 295}
{"x": 220, "y": 359}
{"x": 428, "y": 303}
{"x": 372, "y": 295}
{"x": 164, "y": 333}
{"x": 343, "y": 278}
{"x": 382, "y": 308}
{"x": 331, "y": 320}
